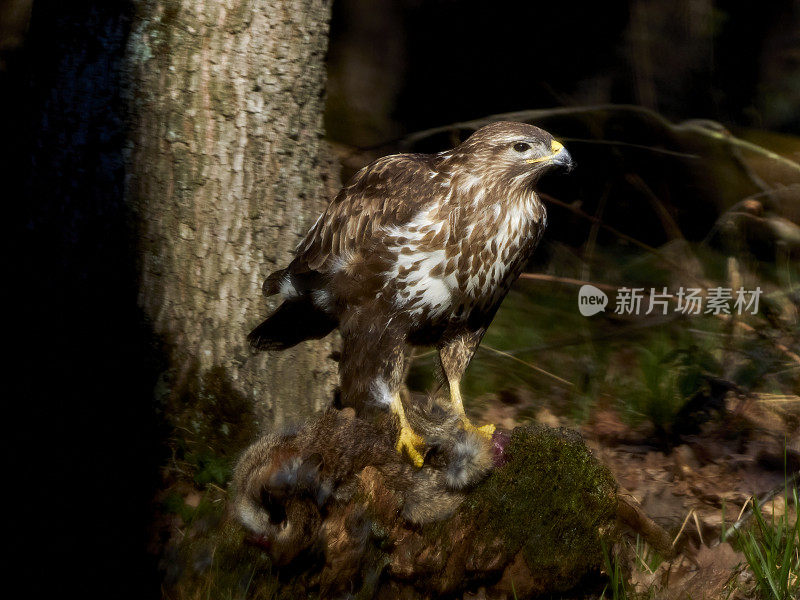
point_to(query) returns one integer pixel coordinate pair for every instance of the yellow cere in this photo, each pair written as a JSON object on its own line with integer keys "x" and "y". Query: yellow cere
{"x": 555, "y": 148}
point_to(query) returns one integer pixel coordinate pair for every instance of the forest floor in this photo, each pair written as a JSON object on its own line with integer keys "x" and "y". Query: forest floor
{"x": 701, "y": 491}
{"x": 698, "y": 418}
{"x": 700, "y": 487}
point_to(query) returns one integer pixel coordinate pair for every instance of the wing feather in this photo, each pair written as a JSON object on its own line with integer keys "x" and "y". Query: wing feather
{"x": 388, "y": 193}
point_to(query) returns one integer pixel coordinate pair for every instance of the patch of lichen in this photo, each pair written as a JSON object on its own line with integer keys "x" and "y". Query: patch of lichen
{"x": 551, "y": 500}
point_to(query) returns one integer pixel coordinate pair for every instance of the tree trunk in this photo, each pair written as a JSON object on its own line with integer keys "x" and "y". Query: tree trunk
{"x": 228, "y": 172}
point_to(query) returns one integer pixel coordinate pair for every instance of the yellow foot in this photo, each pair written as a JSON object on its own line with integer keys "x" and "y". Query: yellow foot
{"x": 484, "y": 430}
{"x": 410, "y": 441}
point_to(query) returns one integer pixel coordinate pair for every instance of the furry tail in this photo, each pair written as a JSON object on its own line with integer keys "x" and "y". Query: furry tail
{"x": 295, "y": 321}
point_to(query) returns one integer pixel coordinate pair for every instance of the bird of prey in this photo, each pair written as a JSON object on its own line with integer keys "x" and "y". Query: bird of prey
{"x": 417, "y": 249}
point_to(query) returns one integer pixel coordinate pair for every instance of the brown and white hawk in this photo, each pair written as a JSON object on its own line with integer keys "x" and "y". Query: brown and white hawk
{"x": 416, "y": 249}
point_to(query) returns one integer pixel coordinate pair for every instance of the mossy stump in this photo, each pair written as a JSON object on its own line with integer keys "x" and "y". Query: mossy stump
{"x": 533, "y": 526}
{"x": 333, "y": 505}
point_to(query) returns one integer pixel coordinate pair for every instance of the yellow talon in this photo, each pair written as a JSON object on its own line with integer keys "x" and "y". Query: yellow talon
{"x": 455, "y": 397}
{"x": 484, "y": 430}
{"x": 409, "y": 441}
{"x": 407, "y": 438}
{"x": 487, "y": 430}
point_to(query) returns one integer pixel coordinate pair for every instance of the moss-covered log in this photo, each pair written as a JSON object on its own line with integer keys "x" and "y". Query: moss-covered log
{"x": 524, "y": 514}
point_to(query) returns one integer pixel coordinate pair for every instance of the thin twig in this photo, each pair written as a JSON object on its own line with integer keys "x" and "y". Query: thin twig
{"x": 577, "y": 211}
{"x": 532, "y": 115}
{"x": 765, "y": 398}
{"x": 527, "y": 364}
{"x": 631, "y": 515}
{"x": 744, "y": 506}
{"x": 591, "y": 241}
{"x": 740, "y": 143}
{"x": 644, "y": 564}
{"x": 683, "y": 526}
{"x": 542, "y": 277}
{"x": 216, "y": 487}
{"x": 778, "y": 345}
{"x": 566, "y": 280}
{"x": 631, "y": 145}
{"x": 536, "y": 114}
{"x": 744, "y": 515}
{"x": 671, "y": 227}
{"x": 617, "y": 333}
{"x": 697, "y": 524}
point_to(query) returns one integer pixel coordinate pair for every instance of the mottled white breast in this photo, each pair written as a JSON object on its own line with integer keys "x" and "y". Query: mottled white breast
{"x": 410, "y": 279}
{"x": 475, "y": 268}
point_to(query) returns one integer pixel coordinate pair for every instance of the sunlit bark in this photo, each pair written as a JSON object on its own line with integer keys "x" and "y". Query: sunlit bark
{"x": 227, "y": 172}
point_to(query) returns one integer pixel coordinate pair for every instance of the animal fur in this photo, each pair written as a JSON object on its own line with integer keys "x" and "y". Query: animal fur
{"x": 294, "y": 492}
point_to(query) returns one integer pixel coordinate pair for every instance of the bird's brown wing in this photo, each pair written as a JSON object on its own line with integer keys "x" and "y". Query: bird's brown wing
{"x": 385, "y": 194}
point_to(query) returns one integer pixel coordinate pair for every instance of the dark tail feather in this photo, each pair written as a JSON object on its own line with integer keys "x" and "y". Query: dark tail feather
{"x": 272, "y": 284}
{"x": 294, "y": 321}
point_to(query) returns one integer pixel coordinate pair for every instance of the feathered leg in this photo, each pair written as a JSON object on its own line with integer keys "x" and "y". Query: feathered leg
{"x": 394, "y": 373}
{"x": 372, "y": 369}
{"x": 455, "y": 355}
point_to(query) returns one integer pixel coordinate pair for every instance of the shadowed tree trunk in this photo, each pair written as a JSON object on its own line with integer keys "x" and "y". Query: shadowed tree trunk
{"x": 87, "y": 361}
{"x": 178, "y": 195}
{"x": 228, "y": 171}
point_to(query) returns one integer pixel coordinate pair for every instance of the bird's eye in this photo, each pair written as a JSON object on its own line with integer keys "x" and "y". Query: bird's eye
{"x": 522, "y": 147}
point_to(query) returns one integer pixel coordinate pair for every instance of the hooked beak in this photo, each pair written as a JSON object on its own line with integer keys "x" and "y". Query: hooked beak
{"x": 559, "y": 156}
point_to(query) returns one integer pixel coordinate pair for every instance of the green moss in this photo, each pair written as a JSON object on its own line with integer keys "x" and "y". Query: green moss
{"x": 173, "y": 503}
{"x": 551, "y": 501}
{"x": 212, "y": 468}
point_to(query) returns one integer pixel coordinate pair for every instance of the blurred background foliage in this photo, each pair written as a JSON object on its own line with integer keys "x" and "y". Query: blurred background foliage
{"x": 683, "y": 118}
{"x": 651, "y": 205}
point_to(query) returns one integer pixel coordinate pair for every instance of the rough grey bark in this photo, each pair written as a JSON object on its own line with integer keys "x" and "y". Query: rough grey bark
{"x": 228, "y": 171}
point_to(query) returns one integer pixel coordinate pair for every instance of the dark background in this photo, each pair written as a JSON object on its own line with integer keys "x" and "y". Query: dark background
{"x": 405, "y": 65}
{"x": 85, "y": 443}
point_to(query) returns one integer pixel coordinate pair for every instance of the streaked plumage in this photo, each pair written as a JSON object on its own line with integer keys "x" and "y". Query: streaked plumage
{"x": 416, "y": 249}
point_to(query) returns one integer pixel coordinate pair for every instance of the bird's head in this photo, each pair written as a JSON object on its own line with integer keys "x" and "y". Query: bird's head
{"x": 512, "y": 154}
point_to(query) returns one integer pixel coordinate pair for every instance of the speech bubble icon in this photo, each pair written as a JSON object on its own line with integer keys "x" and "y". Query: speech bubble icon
{"x": 591, "y": 300}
